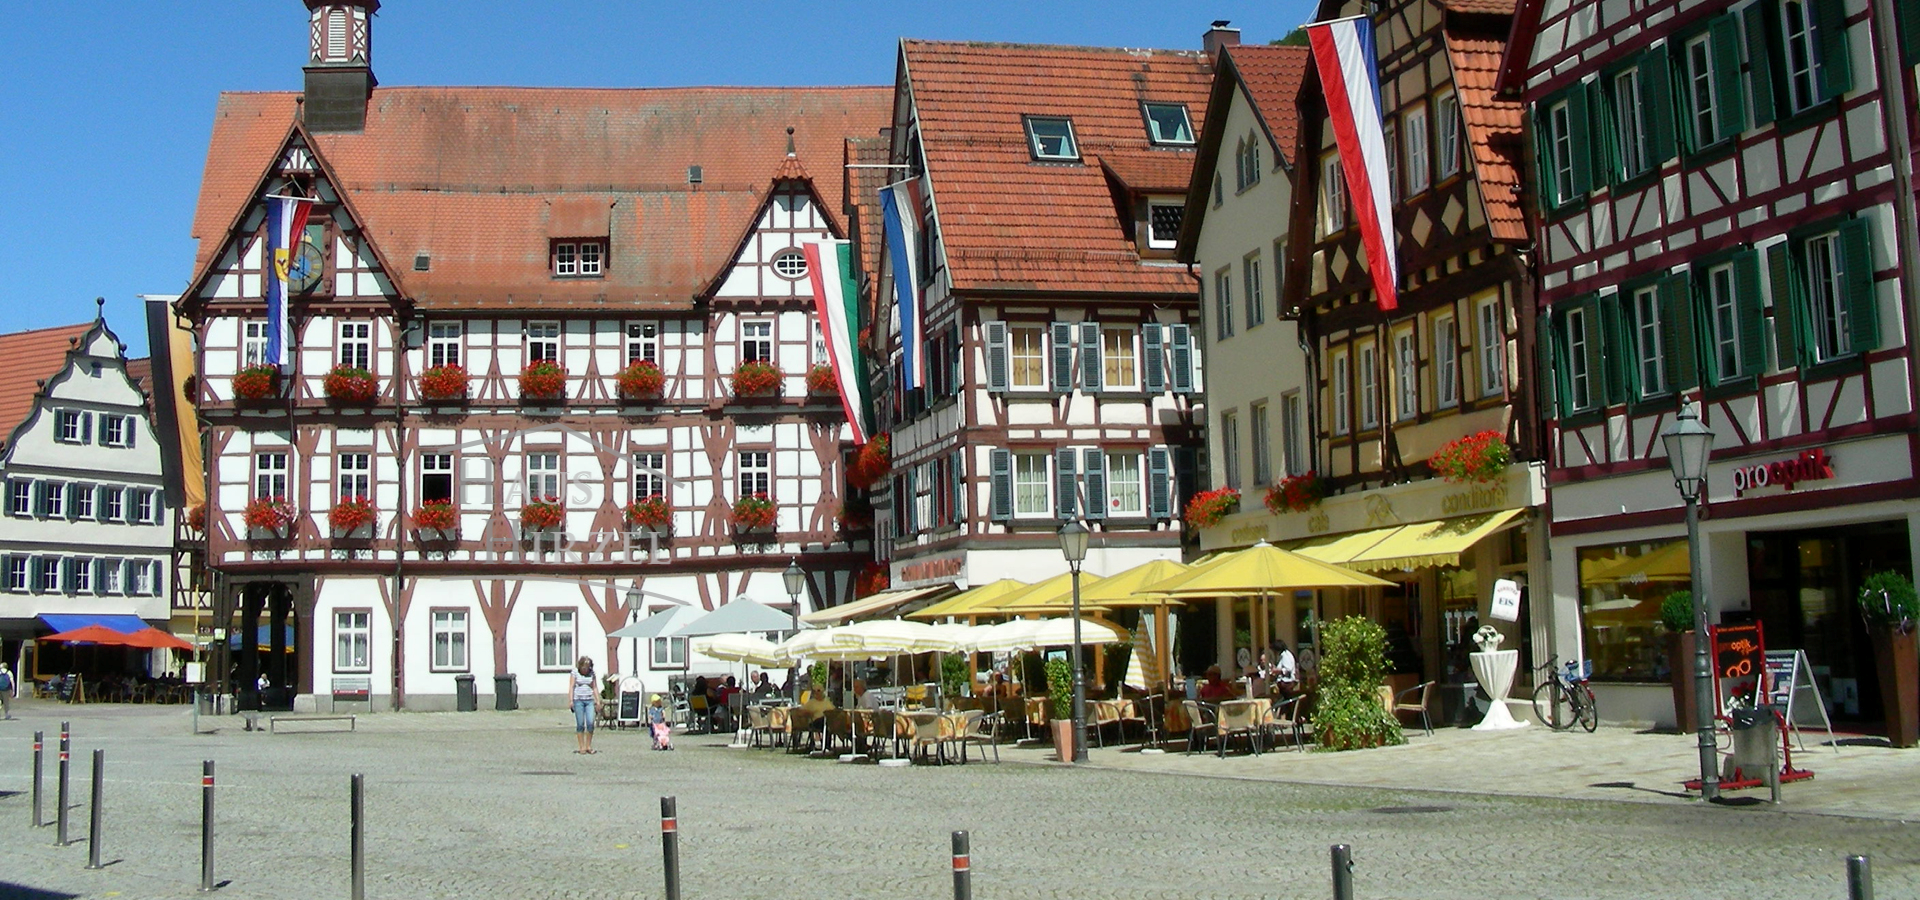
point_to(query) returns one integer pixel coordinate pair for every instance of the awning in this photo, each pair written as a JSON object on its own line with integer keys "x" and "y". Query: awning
{"x": 263, "y": 638}
{"x": 867, "y": 606}
{"x": 1341, "y": 548}
{"x": 1436, "y": 543}
{"x": 970, "y": 603}
{"x": 121, "y": 622}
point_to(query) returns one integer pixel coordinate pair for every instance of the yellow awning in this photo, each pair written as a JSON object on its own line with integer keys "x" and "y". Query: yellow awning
{"x": 1436, "y": 543}
{"x": 1052, "y": 595}
{"x": 1119, "y": 589}
{"x": 1260, "y": 569}
{"x": 883, "y": 602}
{"x": 1340, "y": 548}
{"x": 969, "y": 603}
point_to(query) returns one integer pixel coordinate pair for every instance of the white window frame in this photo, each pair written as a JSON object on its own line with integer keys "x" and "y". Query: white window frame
{"x": 1230, "y": 448}
{"x": 1223, "y": 302}
{"x": 675, "y": 655}
{"x": 270, "y": 471}
{"x": 1067, "y": 149}
{"x": 1390, "y": 137}
{"x": 113, "y": 503}
{"x": 1155, "y": 240}
{"x": 1630, "y": 123}
{"x": 543, "y": 476}
{"x": 1827, "y": 298}
{"x": 1368, "y": 355}
{"x": 643, "y": 342}
{"x": 20, "y": 498}
{"x": 543, "y": 341}
{"x": 1446, "y": 362}
{"x": 113, "y": 430}
{"x": 592, "y": 258}
{"x": 1723, "y": 322}
{"x": 146, "y": 577}
{"x": 145, "y": 506}
{"x": 1183, "y": 134}
{"x": 353, "y": 640}
{"x": 80, "y": 576}
{"x": 1419, "y": 170}
{"x": 435, "y": 464}
{"x": 19, "y": 574}
{"x": 1579, "y": 374}
{"x": 755, "y": 473}
{"x": 1560, "y": 146}
{"x": 650, "y": 475}
{"x": 56, "y": 493}
{"x": 756, "y": 340}
{"x": 1246, "y": 163}
{"x": 49, "y": 580}
{"x": 1032, "y": 485}
{"x": 1493, "y": 347}
{"x": 1803, "y": 73}
{"x": 355, "y": 346}
{"x": 449, "y": 630}
{"x": 1649, "y": 350}
{"x": 1406, "y": 361}
{"x": 354, "y": 478}
{"x": 1119, "y": 358}
{"x": 558, "y": 637}
{"x": 566, "y": 259}
{"x": 1251, "y": 289}
{"x": 1446, "y": 128}
{"x": 1293, "y": 432}
{"x": 1333, "y": 195}
{"x": 82, "y": 501}
{"x": 1341, "y": 396}
{"x": 72, "y": 426}
{"x": 253, "y": 343}
{"x": 1700, "y": 98}
{"x": 1259, "y": 421}
{"x": 443, "y": 343}
{"x": 1015, "y": 358}
{"x": 1126, "y": 494}
{"x": 789, "y": 263}
{"x": 113, "y": 576}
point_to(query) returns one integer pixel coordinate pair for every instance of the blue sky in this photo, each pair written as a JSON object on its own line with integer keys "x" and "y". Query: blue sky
{"x": 105, "y": 107}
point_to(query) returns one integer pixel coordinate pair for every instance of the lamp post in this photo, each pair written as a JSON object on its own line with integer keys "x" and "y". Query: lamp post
{"x": 1073, "y": 545}
{"x": 633, "y": 618}
{"x": 1688, "y": 445}
{"x": 795, "y": 579}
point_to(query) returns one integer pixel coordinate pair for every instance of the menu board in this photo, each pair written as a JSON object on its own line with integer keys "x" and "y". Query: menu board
{"x": 629, "y": 706}
{"x": 1739, "y": 657}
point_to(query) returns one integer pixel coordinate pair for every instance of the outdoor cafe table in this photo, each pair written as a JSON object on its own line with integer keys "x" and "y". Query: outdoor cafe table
{"x": 1253, "y": 712}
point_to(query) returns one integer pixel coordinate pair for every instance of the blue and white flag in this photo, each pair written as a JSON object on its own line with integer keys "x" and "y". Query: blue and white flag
{"x": 286, "y": 221}
{"x": 900, "y": 206}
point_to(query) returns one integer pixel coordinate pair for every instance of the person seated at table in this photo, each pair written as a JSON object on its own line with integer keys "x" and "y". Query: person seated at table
{"x": 1213, "y": 689}
{"x": 1285, "y": 672}
{"x": 762, "y": 686}
{"x": 818, "y": 702}
{"x": 863, "y": 698}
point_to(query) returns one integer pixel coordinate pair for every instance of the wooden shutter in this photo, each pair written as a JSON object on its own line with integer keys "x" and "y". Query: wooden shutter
{"x": 957, "y": 488}
{"x": 1835, "y": 71}
{"x": 1152, "y": 367}
{"x": 86, "y": 427}
{"x": 1159, "y": 484}
{"x": 40, "y": 499}
{"x": 1186, "y": 474}
{"x": 1723, "y": 36}
{"x": 1090, "y": 356}
{"x": 999, "y": 362}
{"x": 1786, "y": 304}
{"x": 1000, "y": 505}
{"x": 1856, "y": 273}
{"x": 127, "y": 431}
{"x": 1603, "y": 153}
{"x": 956, "y": 360}
{"x": 1762, "y": 25}
{"x": 1181, "y": 358}
{"x": 1656, "y": 98}
{"x": 1677, "y": 333}
{"x": 1065, "y": 494}
{"x": 1596, "y": 357}
{"x": 1615, "y": 362}
{"x": 1578, "y": 118}
{"x": 66, "y": 574}
{"x": 1062, "y": 357}
{"x": 1095, "y": 466}
{"x": 1548, "y": 376}
{"x": 1751, "y": 315}
{"x": 1543, "y": 153}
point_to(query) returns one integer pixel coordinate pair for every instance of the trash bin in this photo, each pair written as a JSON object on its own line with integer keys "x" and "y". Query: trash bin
{"x": 1755, "y": 733}
{"x": 506, "y": 692}
{"x": 464, "y": 699}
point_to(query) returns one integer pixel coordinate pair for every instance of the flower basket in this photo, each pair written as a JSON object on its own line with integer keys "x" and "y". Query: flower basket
{"x": 439, "y": 517}
{"x": 651, "y": 514}
{"x": 444, "y": 383}
{"x": 1476, "y": 457}
{"x": 822, "y": 380}
{"x": 543, "y": 379}
{"x": 870, "y": 463}
{"x": 641, "y": 381}
{"x": 542, "y": 515}
{"x": 257, "y": 383}
{"x": 1296, "y": 493}
{"x": 350, "y": 384}
{"x": 757, "y": 379}
{"x": 755, "y": 513}
{"x": 268, "y": 517}
{"x": 197, "y": 517}
{"x": 872, "y": 580}
{"x": 1207, "y": 508}
{"x": 856, "y": 515}
{"x": 351, "y": 517}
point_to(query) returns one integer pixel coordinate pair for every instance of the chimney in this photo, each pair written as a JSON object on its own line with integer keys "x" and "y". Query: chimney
{"x": 1219, "y": 37}
{"x": 339, "y": 64}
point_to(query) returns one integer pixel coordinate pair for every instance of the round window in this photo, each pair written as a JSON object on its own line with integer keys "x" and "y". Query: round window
{"x": 790, "y": 263}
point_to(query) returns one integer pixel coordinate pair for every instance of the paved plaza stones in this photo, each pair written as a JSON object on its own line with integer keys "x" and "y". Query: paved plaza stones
{"x": 496, "y": 805}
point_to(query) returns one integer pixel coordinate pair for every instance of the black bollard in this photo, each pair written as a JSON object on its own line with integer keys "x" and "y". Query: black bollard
{"x": 1342, "y": 872}
{"x": 39, "y": 741}
{"x": 1859, "y": 878}
{"x": 670, "y": 846}
{"x": 60, "y": 815}
{"x": 962, "y": 867}
{"x": 206, "y": 825}
{"x": 357, "y": 788}
{"x": 93, "y": 815}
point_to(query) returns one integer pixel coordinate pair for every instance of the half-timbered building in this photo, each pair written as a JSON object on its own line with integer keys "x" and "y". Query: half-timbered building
{"x": 1718, "y": 223}
{"x": 549, "y": 372}
{"x": 1062, "y": 372}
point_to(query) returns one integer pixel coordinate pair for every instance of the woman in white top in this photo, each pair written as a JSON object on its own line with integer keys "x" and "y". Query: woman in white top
{"x": 583, "y": 687}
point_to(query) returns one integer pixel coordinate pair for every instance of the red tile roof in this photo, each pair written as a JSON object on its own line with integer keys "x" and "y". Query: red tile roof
{"x": 1010, "y": 223}
{"x": 31, "y": 356}
{"x": 478, "y": 179}
{"x": 863, "y": 176}
{"x": 1271, "y": 76}
{"x": 1489, "y": 7}
{"x": 1494, "y": 126}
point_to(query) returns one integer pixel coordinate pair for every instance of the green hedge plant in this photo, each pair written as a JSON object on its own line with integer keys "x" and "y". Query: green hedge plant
{"x": 953, "y": 675}
{"x": 1353, "y": 665}
{"x": 1676, "y": 612}
{"x": 1060, "y": 687}
{"x": 1887, "y": 600}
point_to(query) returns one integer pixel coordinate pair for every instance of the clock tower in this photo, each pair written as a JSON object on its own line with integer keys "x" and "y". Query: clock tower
{"x": 339, "y": 64}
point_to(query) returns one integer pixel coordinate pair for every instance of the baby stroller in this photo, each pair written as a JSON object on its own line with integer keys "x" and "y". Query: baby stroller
{"x": 658, "y": 724}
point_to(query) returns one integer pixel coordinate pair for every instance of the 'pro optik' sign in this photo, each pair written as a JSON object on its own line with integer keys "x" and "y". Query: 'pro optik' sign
{"x": 1810, "y": 465}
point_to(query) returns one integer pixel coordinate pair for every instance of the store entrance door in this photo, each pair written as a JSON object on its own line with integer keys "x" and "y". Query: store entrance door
{"x": 1803, "y": 584}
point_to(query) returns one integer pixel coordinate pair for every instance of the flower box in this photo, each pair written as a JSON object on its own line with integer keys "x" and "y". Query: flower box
{"x": 1296, "y": 493}
{"x": 1476, "y": 457}
{"x": 257, "y": 383}
{"x": 350, "y": 384}
{"x": 542, "y": 515}
{"x": 757, "y": 379}
{"x": 543, "y": 379}
{"x": 1207, "y": 508}
{"x": 352, "y": 518}
{"x": 268, "y": 518}
{"x": 444, "y": 384}
{"x": 651, "y": 515}
{"x": 823, "y": 380}
{"x": 870, "y": 463}
{"x": 856, "y": 516}
{"x": 641, "y": 381}
{"x": 437, "y": 520}
{"x": 197, "y": 517}
{"x": 755, "y": 513}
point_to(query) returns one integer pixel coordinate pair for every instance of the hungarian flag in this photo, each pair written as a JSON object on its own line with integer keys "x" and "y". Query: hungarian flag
{"x": 1343, "y": 54}
{"x": 286, "y": 221}
{"x": 836, "y": 299}
{"x": 900, "y": 206}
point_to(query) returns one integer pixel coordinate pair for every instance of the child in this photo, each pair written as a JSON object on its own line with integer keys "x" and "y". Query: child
{"x": 657, "y": 721}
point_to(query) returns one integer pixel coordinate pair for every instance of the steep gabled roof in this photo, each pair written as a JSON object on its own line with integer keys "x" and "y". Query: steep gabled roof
{"x": 1008, "y": 222}
{"x": 480, "y": 178}
{"x": 863, "y": 175}
{"x": 32, "y": 357}
{"x": 1494, "y": 123}
{"x": 1269, "y": 77}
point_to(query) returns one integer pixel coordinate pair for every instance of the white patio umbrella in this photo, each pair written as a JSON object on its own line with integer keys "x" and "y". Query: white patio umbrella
{"x": 751, "y": 649}
{"x": 899, "y": 636}
{"x": 1028, "y": 634}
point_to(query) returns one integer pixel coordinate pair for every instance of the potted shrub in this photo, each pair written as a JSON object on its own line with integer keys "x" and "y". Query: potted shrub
{"x": 258, "y": 382}
{"x": 543, "y": 379}
{"x": 641, "y": 381}
{"x": 1676, "y": 615}
{"x": 651, "y": 514}
{"x": 438, "y": 517}
{"x": 754, "y": 513}
{"x": 1060, "y": 700}
{"x": 1207, "y": 508}
{"x": 1348, "y": 714}
{"x": 445, "y": 384}
{"x": 268, "y": 518}
{"x": 953, "y": 676}
{"x": 870, "y": 463}
{"x": 542, "y": 515}
{"x": 1888, "y": 603}
{"x": 821, "y": 380}
{"x": 1296, "y": 493}
{"x": 350, "y": 384}
{"x": 352, "y": 517}
{"x": 1476, "y": 457}
{"x": 757, "y": 379}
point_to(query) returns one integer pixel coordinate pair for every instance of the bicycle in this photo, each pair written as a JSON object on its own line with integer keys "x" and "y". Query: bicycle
{"x": 1564, "y": 698}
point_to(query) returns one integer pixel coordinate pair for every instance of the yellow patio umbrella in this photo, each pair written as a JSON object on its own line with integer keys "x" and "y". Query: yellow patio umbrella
{"x": 1054, "y": 595}
{"x": 1260, "y": 569}
{"x": 968, "y": 603}
{"x": 1123, "y": 589}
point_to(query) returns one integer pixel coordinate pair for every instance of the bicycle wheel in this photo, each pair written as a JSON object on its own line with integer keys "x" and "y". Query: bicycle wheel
{"x": 1585, "y": 709}
{"x": 1549, "y": 705}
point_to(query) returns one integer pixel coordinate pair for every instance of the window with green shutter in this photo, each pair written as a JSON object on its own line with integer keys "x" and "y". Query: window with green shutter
{"x": 1798, "y": 55}
{"x": 1563, "y": 129}
{"x": 1750, "y": 314}
{"x": 1581, "y": 384}
{"x": 1834, "y": 312}
{"x": 1711, "y": 95}
{"x": 1616, "y": 361}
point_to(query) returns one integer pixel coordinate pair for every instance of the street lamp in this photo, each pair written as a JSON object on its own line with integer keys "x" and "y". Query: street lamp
{"x": 1688, "y": 445}
{"x": 633, "y": 618}
{"x": 1073, "y": 545}
{"x": 795, "y": 579}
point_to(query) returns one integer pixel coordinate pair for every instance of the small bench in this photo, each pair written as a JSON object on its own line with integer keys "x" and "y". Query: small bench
{"x": 353, "y": 690}
{"x": 273, "y": 722}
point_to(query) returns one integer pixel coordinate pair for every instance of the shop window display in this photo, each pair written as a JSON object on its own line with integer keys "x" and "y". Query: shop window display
{"x": 1621, "y": 588}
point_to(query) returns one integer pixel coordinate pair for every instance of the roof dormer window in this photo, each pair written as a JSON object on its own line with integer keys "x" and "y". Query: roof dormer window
{"x": 1167, "y": 123}
{"x": 578, "y": 259}
{"x": 1051, "y": 138}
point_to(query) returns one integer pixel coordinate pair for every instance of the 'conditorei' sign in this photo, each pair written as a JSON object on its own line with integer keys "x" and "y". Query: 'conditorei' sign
{"x": 1810, "y": 465}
